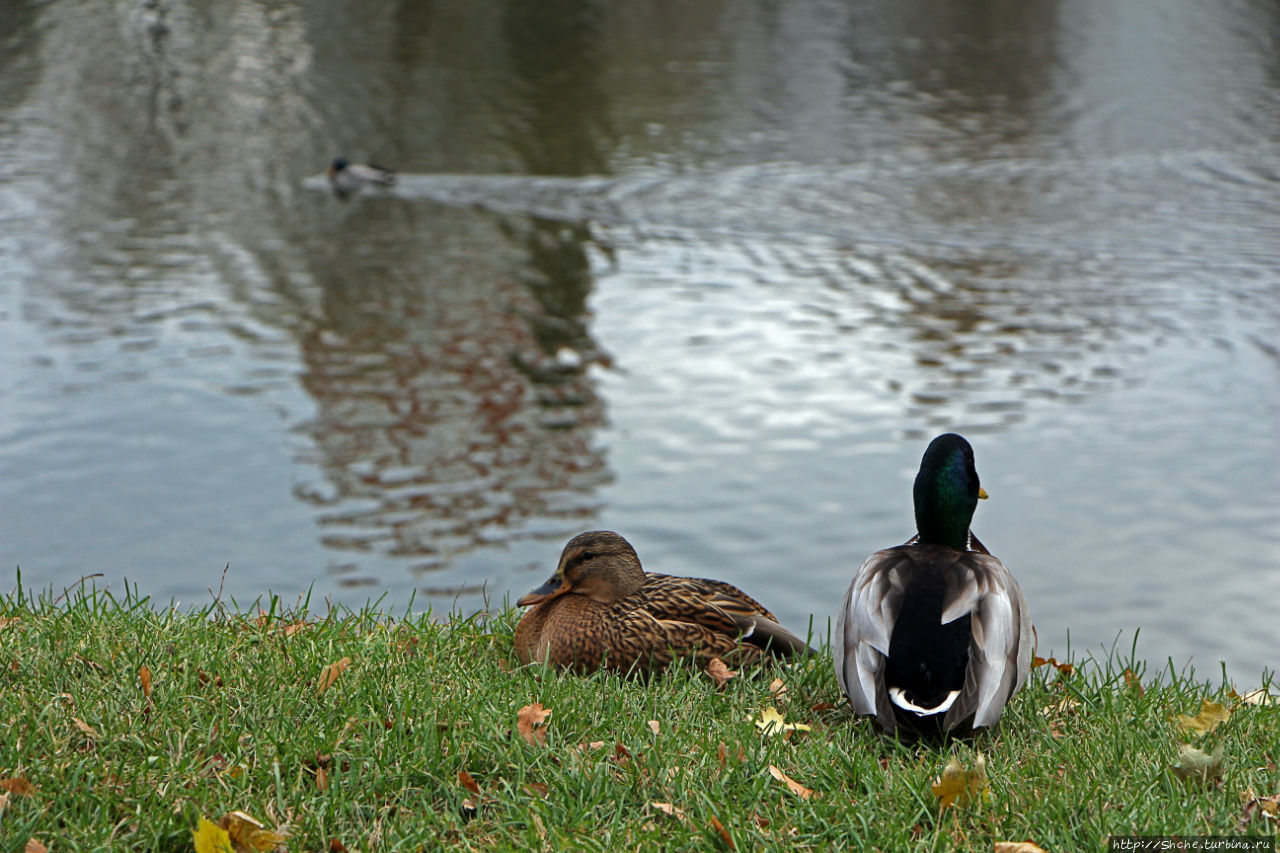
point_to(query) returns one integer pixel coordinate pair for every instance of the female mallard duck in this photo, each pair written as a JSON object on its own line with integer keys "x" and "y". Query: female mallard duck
{"x": 602, "y": 610}
{"x": 347, "y": 178}
{"x": 934, "y": 635}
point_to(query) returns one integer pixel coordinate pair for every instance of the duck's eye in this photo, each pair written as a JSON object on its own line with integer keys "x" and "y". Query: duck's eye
{"x": 588, "y": 555}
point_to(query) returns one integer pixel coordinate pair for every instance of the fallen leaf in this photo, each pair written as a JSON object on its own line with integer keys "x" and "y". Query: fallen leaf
{"x": 1065, "y": 705}
{"x": 248, "y": 832}
{"x": 4, "y": 803}
{"x": 336, "y": 846}
{"x": 537, "y": 789}
{"x": 722, "y": 832}
{"x": 795, "y": 787}
{"x": 18, "y": 785}
{"x": 722, "y": 754}
{"x": 777, "y": 688}
{"x": 530, "y": 722}
{"x": 466, "y": 781}
{"x": 208, "y": 837}
{"x": 1210, "y": 717}
{"x": 1064, "y": 668}
{"x": 655, "y": 727}
{"x": 1198, "y": 765}
{"x": 1269, "y": 806}
{"x": 34, "y": 846}
{"x": 144, "y": 676}
{"x": 959, "y": 787}
{"x": 1260, "y": 697}
{"x": 330, "y": 674}
{"x": 819, "y": 707}
{"x": 669, "y": 809}
{"x": 1132, "y": 682}
{"x": 720, "y": 672}
{"x": 85, "y": 727}
{"x": 6, "y": 621}
{"x": 771, "y": 722}
{"x": 322, "y": 779}
{"x": 1017, "y": 847}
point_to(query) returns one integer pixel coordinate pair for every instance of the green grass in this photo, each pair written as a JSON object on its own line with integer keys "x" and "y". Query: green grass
{"x": 235, "y": 722}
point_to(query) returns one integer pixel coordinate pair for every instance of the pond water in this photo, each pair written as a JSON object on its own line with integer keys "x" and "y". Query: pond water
{"x": 710, "y": 275}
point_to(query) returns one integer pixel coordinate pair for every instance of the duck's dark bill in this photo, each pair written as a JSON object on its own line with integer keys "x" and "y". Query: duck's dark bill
{"x": 548, "y": 590}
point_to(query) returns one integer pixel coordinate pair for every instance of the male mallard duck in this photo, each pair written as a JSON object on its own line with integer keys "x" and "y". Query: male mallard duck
{"x": 935, "y": 635}
{"x": 347, "y": 178}
{"x": 601, "y": 609}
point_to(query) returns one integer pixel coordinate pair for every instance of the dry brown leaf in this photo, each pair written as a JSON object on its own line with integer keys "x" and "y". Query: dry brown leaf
{"x": 531, "y": 723}
{"x": 6, "y": 621}
{"x": 723, "y": 833}
{"x": 330, "y": 674}
{"x": 1210, "y": 717}
{"x": 1063, "y": 668}
{"x": 4, "y": 803}
{"x": 336, "y": 846}
{"x": 669, "y": 809}
{"x": 819, "y": 707}
{"x": 720, "y": 672}
{"x": 34, "y": 846}
{"x": 795, "y": 787}
{"x": 778, "y": 689}
{"x": 959, "y": 787}
{"x": 144, "y": 676}
{"x": 322, "y": 779}
{"x": 465, "y": 780}
{"x": 722, "y": 754}
{"x": 17, "y": 785}
{"x": 1131, "y": 681}
{"x": 1017, "y": 847}
{"x": 86, "y": 728}
{"x": 247, "y": 831}
{"x": 537, "y": 789}
{"x": 655, "y": 727}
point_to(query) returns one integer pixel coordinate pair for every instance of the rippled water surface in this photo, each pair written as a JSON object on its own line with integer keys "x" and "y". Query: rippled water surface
{"x": 709, "y": 275}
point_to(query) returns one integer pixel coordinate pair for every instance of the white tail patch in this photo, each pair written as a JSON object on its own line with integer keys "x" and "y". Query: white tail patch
{"x": 899, "y": 698}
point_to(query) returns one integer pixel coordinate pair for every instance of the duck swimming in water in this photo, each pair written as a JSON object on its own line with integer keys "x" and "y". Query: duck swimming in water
{"x": 348, "y": 178}
{"x": 934, "y": 636}
{"x": 602, "y": 610}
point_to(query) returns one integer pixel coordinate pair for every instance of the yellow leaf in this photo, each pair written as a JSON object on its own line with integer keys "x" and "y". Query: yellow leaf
{"x": 771, "y": 722}
{"x": 959, "y": 787}
{"x": 531, "y": 723}
{"x": 1017, "y": 847}
{"x": 211, "y": 838}
{"x": 245, "y": 831}
{"x": 795, "y": 787}
{"x": 720, "y": 672}
{"x": 1210, "y": 717}
{"x": 1198, "y": 765}
{"x": 330, "y": 674}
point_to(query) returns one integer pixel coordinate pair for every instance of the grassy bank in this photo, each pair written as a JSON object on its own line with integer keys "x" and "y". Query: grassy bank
{"x": 122, "y": 723}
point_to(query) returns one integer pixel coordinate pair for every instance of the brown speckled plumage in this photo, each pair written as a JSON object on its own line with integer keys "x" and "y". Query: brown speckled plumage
{"x": 600, "y": 609}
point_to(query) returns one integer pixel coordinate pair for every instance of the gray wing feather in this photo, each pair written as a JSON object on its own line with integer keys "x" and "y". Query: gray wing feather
{"x": 863, "y": 628}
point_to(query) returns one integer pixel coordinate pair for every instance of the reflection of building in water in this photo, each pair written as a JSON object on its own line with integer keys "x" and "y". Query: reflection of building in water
{"x": 446, "y": 422}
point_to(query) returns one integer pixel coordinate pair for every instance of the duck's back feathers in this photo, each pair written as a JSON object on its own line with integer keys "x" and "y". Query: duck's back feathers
{"x": 669, "y": 617}
{"x": 927, "y": 625}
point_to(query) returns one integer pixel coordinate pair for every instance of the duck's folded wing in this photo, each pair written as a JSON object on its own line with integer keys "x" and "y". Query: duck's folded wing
{"x": 863, "y": 628}
{"x": 1000, "y": 645}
